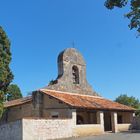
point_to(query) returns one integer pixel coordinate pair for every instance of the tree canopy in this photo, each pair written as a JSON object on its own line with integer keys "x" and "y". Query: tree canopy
{"x": 13, "y": 92}
{"x": 7, "y": 91}
{"x": 133, "y": 15}
{"x": 129, "y": 101}
{"x": 6, "y": 75}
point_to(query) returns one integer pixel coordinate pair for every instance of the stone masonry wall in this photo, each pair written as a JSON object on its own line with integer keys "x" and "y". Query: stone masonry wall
{"x": 11, "y": 131}
{"x": 64, "y": 82}
{"x": 42, "y": 129}
{"x": 136, "y": 123}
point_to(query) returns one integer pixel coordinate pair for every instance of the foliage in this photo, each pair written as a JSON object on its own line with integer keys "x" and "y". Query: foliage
{"x": 133, "y": 15}
{"x": 129, "y": 101}
{"x": 137, "y": 113}
{"x": 1, "y": 109}
{"x": 6, "y": 75}
{"x": 13, "y": 92}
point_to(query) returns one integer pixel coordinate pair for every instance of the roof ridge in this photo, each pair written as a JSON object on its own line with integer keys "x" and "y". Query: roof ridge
{"x": 17, "y": 101}
{"x": 71, "y": 93}
{"x": 23, "y": 98}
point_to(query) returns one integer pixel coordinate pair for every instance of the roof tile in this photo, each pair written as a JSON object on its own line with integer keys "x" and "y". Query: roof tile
{"x": 87, "y": 101}
{"x": 18, "y": 101}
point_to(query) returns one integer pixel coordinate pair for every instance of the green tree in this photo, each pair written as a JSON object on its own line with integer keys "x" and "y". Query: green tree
{"x": 13, "y": 92}
{"x": 133, "y": 15}
{"x": 6, "y": 75}
{"x": 129, "y": 101}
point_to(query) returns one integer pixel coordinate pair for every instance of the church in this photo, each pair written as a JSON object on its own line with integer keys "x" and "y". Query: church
{"x": 67, "y": 107}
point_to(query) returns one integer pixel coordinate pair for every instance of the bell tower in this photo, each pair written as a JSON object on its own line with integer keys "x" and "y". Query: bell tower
{"x": 71, "y": 73}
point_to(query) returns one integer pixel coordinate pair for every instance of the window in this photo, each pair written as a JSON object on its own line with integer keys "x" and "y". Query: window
{"x": 80, "y": 120}
{"x": 119, "y": 119}
{"x": 54, "y": 115}
{"x": 75, "y": 74}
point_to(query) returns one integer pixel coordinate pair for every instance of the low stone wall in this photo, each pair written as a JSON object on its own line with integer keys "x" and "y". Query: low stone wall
{"x": 11, "y": 131}
{"x": 86, "y": 130}
{"x": 136, "y": 123}
{"x": 42, "y": 129}
{"x": 123, "y": 127}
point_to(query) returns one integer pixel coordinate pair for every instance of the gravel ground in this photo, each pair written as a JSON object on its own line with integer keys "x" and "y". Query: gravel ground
{"x": 111, "y": 136}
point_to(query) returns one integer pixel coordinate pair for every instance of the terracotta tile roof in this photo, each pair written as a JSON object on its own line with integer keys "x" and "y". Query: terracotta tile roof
{"x": 86, "y": 101}
{"x": 18, "y": 101}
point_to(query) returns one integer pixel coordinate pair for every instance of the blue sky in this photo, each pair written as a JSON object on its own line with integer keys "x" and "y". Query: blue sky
{"x": 40, "y": 29}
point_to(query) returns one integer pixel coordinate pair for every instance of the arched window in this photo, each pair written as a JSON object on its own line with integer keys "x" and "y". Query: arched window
{"x": 75, "y": 74}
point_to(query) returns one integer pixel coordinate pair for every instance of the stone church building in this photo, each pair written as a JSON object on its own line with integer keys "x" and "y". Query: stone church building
{"x": 67, "y": 107}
